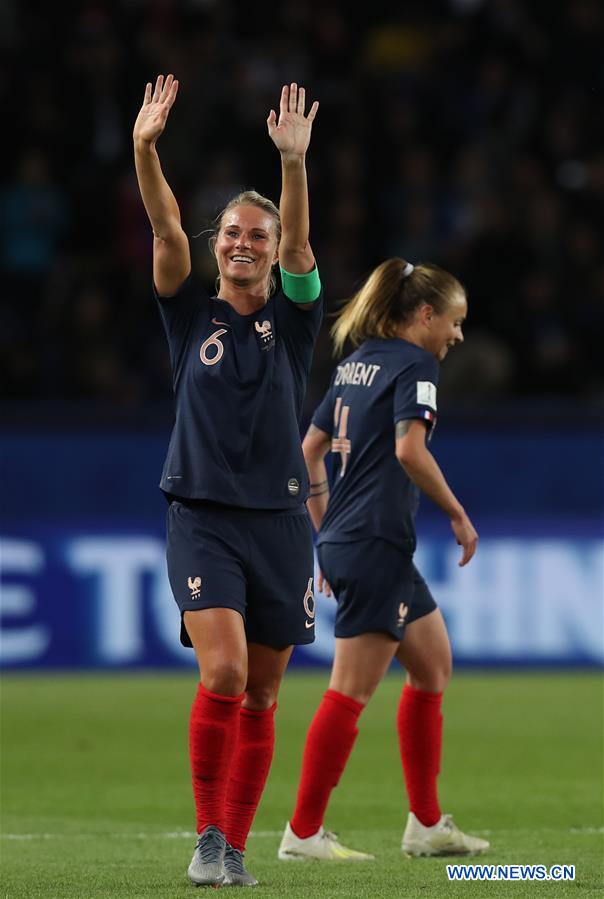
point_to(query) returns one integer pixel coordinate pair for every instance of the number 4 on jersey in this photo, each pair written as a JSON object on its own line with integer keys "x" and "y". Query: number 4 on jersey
{"x": 341, "y": 444}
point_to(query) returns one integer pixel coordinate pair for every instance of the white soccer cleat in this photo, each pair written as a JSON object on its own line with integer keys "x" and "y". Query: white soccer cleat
{"x": 321, "y": 845}
{"x": 443, "y": 838}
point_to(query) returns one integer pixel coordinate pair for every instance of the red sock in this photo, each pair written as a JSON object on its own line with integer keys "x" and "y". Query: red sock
{"x": 329, "y": 743}
{"x": 213, "y": 730}
{"x": 420, "y": 726}
{"x": 249, "y": 770}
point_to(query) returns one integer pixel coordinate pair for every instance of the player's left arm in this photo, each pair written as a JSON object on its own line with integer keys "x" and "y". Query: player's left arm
{"x": 291, "y": 135}
{"x": 423, "y": 469}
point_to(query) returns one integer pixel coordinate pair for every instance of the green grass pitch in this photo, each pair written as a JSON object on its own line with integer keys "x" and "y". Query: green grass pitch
{"x": 96, "y": 798}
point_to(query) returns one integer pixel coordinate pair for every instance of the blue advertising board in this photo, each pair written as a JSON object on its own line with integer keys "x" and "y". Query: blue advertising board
{"x": 101, "y": 599}
{"x": 83, "y": 575}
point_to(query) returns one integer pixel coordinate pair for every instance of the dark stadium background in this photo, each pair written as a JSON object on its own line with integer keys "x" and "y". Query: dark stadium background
{"x": 466, "y": 133}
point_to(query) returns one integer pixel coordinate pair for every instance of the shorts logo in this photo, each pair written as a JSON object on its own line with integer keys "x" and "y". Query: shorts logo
{"x": 265, "y": 330}
{"x": 309, "y": 604}
{"x": 403, "y": 611}
{"x": 195, "y": 587}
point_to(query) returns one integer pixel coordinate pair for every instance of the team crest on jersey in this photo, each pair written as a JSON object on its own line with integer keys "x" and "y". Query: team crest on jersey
{"x": 194, "y": 585}
{"x": 265, "y": 331}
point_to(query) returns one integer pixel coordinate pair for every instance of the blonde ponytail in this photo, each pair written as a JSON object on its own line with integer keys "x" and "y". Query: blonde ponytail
{"x": 389, "y": 297}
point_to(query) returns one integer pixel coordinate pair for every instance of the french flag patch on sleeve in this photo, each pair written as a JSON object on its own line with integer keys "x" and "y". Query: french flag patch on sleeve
{"x": 428, "y": 416}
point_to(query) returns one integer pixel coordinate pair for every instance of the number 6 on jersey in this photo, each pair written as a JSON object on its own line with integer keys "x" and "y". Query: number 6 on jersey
{"x": 212, "y": 341}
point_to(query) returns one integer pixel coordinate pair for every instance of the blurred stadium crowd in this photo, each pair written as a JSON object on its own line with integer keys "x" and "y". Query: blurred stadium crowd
{"x": 463, "y": 132}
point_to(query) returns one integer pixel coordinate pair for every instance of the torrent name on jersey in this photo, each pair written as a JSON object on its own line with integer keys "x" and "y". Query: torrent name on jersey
{"x": 356, "y": 373}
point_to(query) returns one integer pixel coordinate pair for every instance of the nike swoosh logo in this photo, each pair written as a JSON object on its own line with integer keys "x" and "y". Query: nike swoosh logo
{"x": 309, "y": 623}
{"x": 216, "y": 322}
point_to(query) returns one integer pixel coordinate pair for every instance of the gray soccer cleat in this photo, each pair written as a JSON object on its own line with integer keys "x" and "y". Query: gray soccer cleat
{"x": 443, "y": 838}
{"x": 235, "y": 874}
{"x": 206, "y": 865}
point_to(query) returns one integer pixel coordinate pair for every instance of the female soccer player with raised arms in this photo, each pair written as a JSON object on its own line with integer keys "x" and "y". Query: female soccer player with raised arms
{"x": 376, "y": 418}
{"x": 239, "y": 539}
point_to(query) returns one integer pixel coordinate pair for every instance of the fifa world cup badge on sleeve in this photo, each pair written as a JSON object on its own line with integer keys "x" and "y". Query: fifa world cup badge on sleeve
{"x": 426, "y": 394}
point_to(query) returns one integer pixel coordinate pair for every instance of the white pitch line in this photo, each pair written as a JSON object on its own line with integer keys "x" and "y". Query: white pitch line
{"x": 255, "y": 834}
{"x": 266, "y": 833}
{"x": 126, "y": 835}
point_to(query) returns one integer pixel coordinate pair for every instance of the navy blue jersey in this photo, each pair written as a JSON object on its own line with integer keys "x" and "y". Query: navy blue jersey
{"x": 381, "y": 383}
{"x": 239, "y": 383}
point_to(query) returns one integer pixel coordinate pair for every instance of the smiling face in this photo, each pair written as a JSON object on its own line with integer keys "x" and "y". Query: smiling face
{"x": 444, "y": 330}
{"x": 246, "y": 248}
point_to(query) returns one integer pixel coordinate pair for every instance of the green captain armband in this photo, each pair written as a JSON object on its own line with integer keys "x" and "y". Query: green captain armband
{"x": 301, "y": 288}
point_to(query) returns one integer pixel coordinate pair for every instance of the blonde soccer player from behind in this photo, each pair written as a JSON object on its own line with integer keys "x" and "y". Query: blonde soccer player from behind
{"x": 376, "y": 420}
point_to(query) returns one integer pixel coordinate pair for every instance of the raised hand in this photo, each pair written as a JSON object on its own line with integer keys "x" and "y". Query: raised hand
{"x": 153, "y": 114}
{"x": 291, "y": 134}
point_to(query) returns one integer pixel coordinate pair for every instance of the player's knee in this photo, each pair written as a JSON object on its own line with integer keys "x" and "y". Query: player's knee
{"x": 261, "y": 697}
{"x": 225, "y": 676}
{"x": 442, "y": 676}
{"x": 351, "y": 685}
{"x": 433, "y": 679}
{"x": 359, "y": 692}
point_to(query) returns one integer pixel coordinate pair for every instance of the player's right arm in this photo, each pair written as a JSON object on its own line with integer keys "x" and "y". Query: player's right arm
{"x": 171, "y": 252}
{"x": 424, "y": 471}
{"x": 315, "y": 447}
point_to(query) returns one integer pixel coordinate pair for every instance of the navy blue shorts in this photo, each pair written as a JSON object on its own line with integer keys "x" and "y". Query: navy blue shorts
{"x": 256, "y": 561}
{"x": 377, "y": 586}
